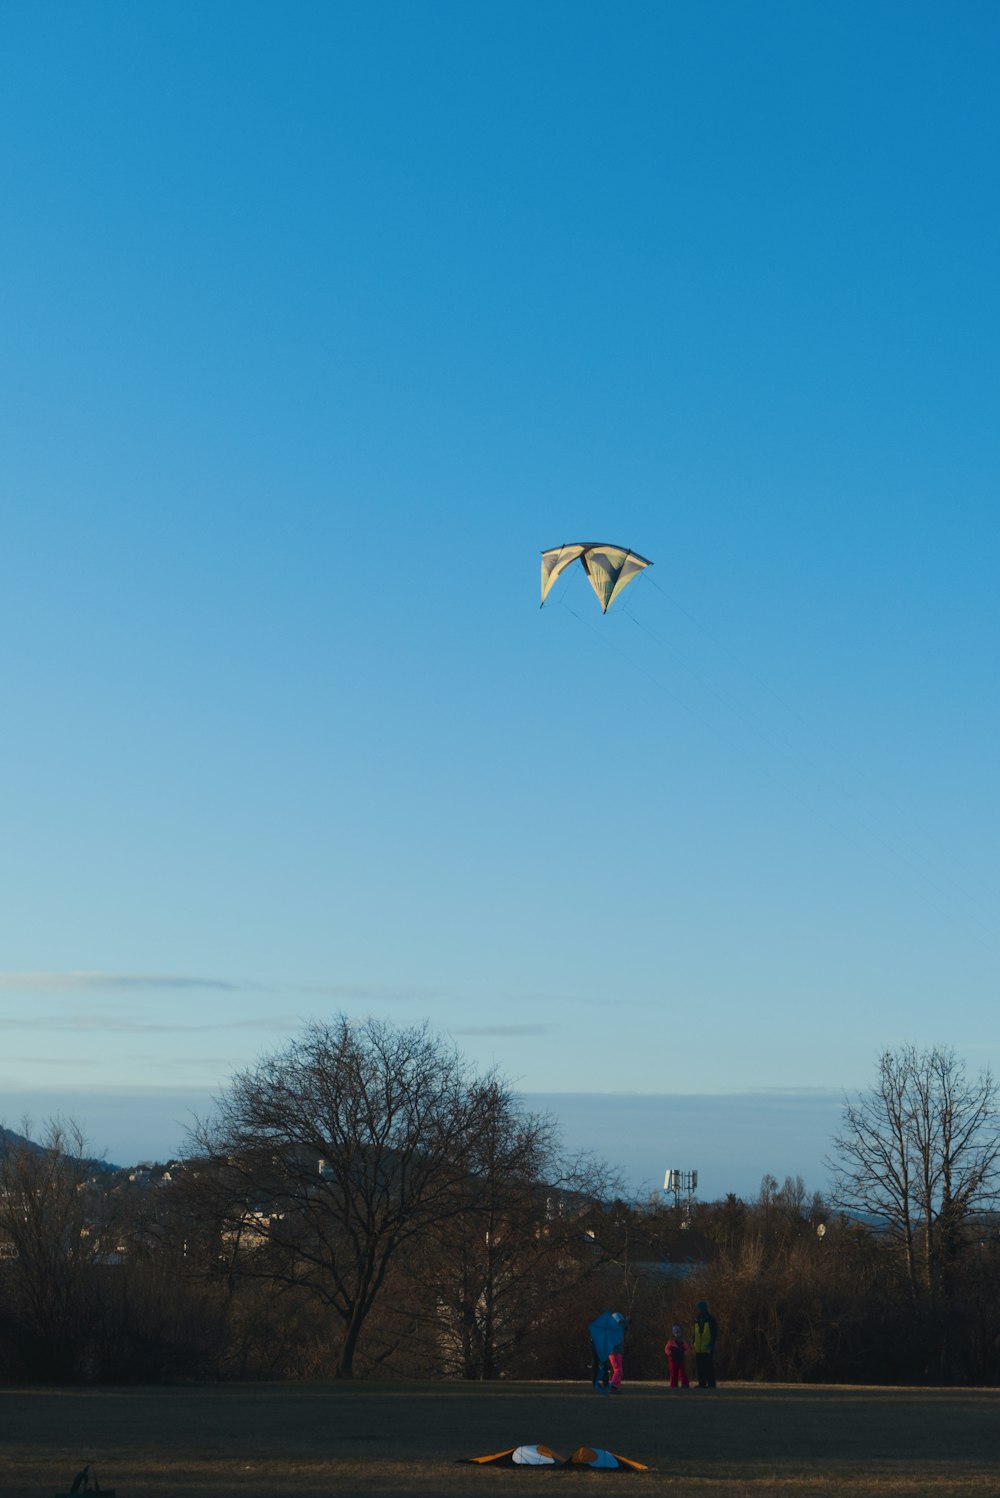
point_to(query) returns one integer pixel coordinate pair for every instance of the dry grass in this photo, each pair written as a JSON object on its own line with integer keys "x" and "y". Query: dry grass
{"x": 307, "y": 1440}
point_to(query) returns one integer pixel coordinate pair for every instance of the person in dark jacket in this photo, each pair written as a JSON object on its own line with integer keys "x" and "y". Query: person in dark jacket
{"x": 600, "y": 1370}
{"x": 705, "y": 1333}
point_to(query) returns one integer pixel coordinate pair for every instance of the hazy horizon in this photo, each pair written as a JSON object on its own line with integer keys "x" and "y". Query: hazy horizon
{"x": 731, "y": 1139}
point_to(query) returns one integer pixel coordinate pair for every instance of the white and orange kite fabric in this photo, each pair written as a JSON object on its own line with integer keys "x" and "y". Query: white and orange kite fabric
{"x": 592, "y": 1457}
{"x": 520, "y": 1456}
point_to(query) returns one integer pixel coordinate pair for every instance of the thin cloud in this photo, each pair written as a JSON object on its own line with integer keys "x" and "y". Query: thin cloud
{"x": 119, "y": 1024}
{"x": 111, "y": 982}
{"x": 372, "y": 992}
{"x": 105, "y": 1091}
{"x": 95, "y": 1066}
{"x": 97, "y": 982}
{"x": 501, "y": 1031}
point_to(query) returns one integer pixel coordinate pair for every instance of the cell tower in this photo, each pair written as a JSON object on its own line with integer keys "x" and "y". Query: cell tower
{"x": 681, "y": 1184}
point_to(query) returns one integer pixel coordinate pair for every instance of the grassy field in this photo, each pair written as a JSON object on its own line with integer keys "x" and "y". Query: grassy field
{"x": 301, "y": 1440}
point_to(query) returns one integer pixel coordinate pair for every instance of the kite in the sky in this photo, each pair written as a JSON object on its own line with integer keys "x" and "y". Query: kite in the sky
{"x": 609, "y": 568}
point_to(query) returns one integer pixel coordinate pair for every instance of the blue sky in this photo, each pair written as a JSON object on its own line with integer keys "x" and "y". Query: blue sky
{"x": 319, "y": 323}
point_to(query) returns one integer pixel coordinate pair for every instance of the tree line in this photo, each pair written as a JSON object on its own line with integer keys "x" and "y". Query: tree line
{"x": 361, "y": 1203}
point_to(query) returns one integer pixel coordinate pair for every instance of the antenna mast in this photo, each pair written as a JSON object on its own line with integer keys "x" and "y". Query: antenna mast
{"x": 681, "y": 1183}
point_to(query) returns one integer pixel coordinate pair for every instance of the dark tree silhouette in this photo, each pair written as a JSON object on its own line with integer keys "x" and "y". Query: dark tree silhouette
{"x": 919, "y": 1151}
{"x": 336, "y": 1152}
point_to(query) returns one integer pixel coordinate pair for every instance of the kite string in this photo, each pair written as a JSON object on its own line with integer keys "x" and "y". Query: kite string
{"x": 972, "y": 920}
{"x": 905, "y": 844}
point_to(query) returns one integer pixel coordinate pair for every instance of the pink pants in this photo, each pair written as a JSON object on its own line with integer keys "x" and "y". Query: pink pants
{"x": 678, "y": 1375}
{"x": 615, "y": 1359}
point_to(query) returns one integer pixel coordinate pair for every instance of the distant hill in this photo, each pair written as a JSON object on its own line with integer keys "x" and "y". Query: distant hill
{"x": 9, "y": 1139}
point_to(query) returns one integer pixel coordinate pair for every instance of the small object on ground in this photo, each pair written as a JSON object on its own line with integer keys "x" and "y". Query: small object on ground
{"x": 86, "y": 1481}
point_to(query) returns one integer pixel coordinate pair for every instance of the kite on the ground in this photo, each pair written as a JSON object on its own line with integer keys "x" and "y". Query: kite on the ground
{"x": 591, "y": 1457}
{"x": 604, "y": 1461}
{"x": 609, "y": 568}
{"x": 520, "y": 1456}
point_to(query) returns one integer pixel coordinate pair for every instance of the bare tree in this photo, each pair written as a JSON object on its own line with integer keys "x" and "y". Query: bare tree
{"x": 334, "y": 1153}
{"x": 498, "y": 1267}
{"x": 56, "y": 1224}
{"x": 477, "y": 1261}
{"x": 920, "y": 1150}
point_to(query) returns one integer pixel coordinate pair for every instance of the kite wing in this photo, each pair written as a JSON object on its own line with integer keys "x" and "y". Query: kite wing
{"x": 597, "y": 1460}
{"x": 520, "y": 1456}
{"x": 609, "y": 568}
{"x": 555, "y": 561}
